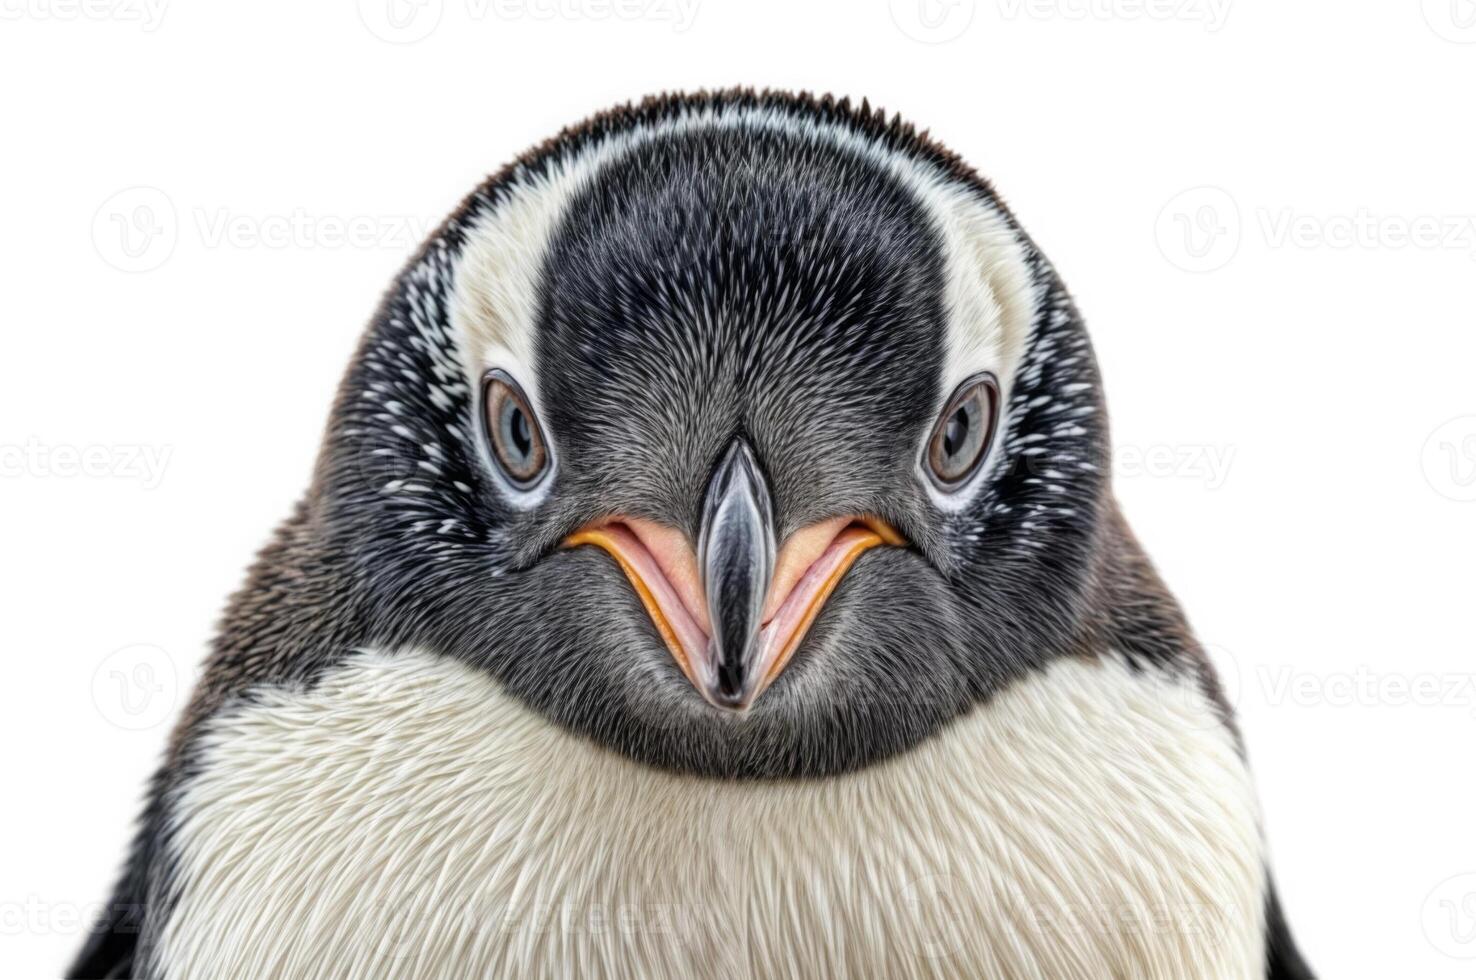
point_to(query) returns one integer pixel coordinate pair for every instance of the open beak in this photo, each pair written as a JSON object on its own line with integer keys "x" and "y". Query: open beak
{"x": 733, "y": 611}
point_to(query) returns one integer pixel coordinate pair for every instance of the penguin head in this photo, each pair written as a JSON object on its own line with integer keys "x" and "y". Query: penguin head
{"x": 746, "y": 435}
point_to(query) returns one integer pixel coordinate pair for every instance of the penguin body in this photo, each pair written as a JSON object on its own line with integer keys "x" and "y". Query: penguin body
{"x": 710, "y": 571}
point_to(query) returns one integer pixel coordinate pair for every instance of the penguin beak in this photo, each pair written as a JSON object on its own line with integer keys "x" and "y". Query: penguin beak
{"x": 735, "y": 555}
{"x": 733, "y": 611}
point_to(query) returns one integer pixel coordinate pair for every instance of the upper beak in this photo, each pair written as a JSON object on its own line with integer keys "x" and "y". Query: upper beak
{"x": 733, "y": 612}
{"x": 735, "y": 555}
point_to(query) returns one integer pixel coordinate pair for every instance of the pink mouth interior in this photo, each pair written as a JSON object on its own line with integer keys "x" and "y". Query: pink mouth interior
{"x": 663, "y": 560}
{"x": 792, "y": 612}
{"x": 640, "y": 547}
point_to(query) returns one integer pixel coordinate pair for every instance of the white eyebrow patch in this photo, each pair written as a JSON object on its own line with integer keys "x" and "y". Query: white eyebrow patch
{"x": 991, "y": 295}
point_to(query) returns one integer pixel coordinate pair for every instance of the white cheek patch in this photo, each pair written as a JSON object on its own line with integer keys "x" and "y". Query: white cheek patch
{"x": 407, "y": 818}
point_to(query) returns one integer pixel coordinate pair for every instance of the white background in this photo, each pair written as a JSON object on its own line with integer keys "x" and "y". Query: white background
{"x": 1265, "y": 210}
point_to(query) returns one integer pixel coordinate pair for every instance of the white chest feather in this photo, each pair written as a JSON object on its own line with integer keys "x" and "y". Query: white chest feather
{"x": 407, "y": 819}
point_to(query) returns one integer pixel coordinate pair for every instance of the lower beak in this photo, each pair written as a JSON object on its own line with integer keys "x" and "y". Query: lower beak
{"x": 734, "y": 612}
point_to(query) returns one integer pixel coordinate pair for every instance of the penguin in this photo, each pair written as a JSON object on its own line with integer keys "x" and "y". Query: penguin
{"x": 711, "y": 569}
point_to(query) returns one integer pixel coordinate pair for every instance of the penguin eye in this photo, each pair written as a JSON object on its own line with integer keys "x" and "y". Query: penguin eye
{"x": 513, "y": 430}
{"x": 962, "y": 435}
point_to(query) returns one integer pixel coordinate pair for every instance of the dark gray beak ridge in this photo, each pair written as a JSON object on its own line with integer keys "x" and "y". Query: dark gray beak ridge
{"x": 735, "y": 554}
